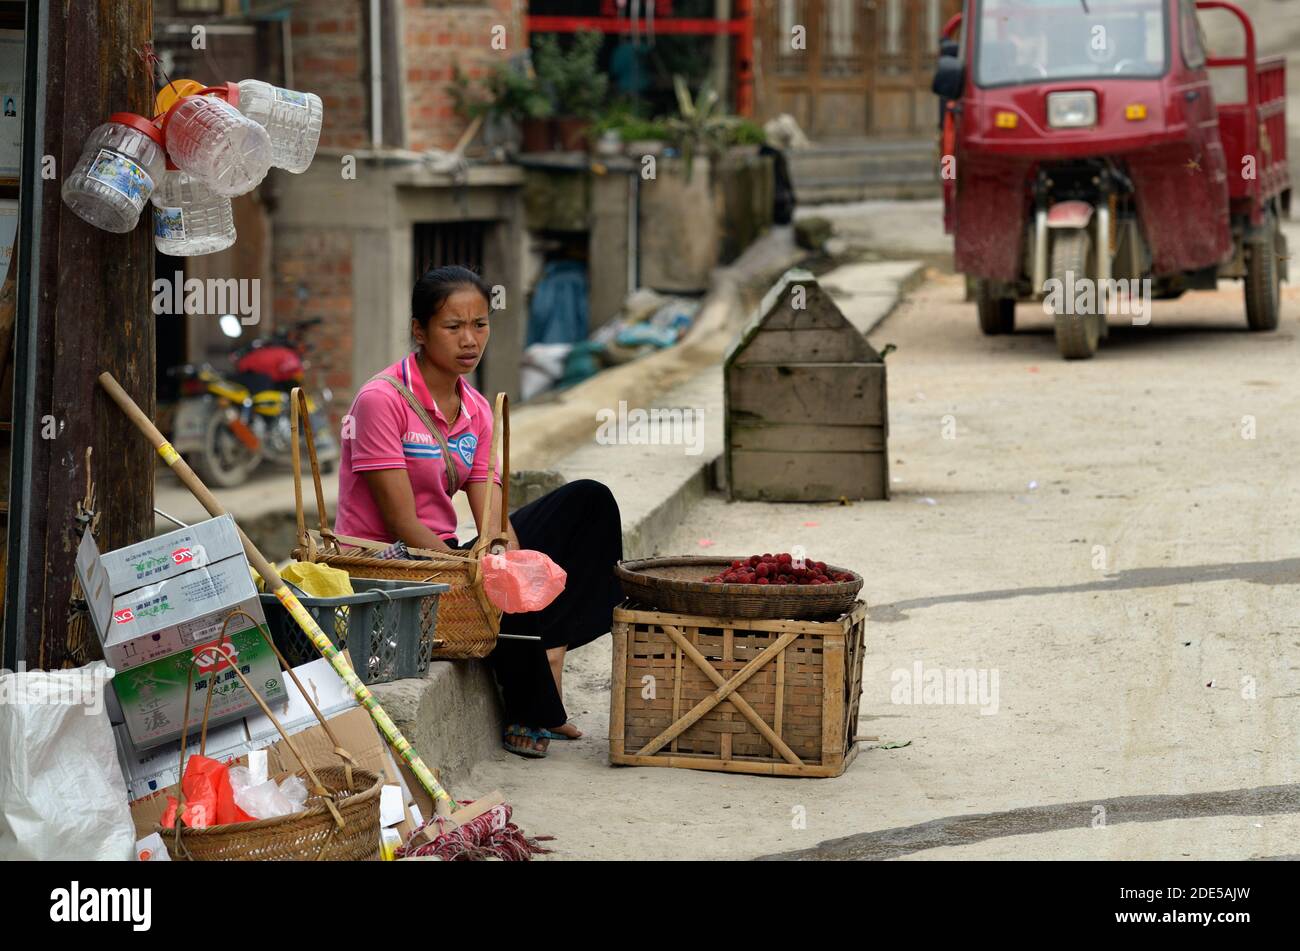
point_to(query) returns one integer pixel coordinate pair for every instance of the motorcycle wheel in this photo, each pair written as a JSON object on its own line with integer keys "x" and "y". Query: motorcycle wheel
{"x": 225, "y": 461}
{"x": 1263, "y": 279}
{"x": 1077, "y": 335}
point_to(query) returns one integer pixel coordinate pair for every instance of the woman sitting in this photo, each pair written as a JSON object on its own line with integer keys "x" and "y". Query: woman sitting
{"x": 395, "y": 485}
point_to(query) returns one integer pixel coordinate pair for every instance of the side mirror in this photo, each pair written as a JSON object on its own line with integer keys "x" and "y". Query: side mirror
{"x": 949, "y": 78}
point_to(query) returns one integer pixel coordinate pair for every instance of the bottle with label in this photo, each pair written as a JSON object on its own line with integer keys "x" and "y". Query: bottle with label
{"x": 292, "y": 119}
{"x": 121, "y": 163}
{"x": 208, "y": 137}
{"x": 189, "y": 218}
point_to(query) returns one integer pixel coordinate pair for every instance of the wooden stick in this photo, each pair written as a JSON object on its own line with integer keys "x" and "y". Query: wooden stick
{"x": 443, "y": 802}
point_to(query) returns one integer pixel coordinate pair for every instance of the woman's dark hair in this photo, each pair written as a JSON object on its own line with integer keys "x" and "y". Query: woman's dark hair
{"x": 432, "y": 290}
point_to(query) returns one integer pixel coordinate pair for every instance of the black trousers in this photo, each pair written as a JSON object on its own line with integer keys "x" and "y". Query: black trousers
{"x": 578, "y": 526}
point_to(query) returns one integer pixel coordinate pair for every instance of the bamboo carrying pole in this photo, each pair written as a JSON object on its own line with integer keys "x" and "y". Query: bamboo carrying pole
{"x": 442, "y": 801}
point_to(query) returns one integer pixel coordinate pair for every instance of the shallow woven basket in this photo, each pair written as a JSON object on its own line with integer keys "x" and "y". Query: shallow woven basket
{"x": 467, "y": 622}
{"x": 308, "y": 835}
{"x": 341, "y": 818}
{"x": 672, "y": 584}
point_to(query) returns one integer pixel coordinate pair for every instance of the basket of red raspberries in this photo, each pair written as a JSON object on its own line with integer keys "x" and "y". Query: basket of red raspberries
{"x": 757, "y": 586}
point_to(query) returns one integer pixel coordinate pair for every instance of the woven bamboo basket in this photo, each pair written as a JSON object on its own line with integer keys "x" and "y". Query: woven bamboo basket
{"x": 463, "y": 623}
{"x": 767, "y": 697}
{"x": 341, "y": 819}
{"x": 671, "y": 584}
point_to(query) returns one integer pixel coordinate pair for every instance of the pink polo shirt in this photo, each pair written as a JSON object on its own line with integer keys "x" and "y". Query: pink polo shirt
{"x": 385, "y": 433}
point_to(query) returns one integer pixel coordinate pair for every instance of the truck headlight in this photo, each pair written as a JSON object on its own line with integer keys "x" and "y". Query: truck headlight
{"x": 1071, "y": 110}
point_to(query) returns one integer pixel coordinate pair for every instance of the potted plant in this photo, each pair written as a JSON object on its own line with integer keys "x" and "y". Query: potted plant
{"x": 634, "y": 133}
{"x": 707, "y": 202}
{"x": 510, "y": 94}
{"x": 575, "y": 83}
{"x": 700, "y": 127}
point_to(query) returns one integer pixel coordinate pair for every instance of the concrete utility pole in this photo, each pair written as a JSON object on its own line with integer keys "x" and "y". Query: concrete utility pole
{"x": 89, "y": 311}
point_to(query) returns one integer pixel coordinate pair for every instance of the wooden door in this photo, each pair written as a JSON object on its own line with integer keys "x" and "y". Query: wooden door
{"x": 849, "y": 69}
{"x": 905, "y": 40}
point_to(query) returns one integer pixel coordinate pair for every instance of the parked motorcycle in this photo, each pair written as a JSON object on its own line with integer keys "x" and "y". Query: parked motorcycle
{"x": 227, "y": 424}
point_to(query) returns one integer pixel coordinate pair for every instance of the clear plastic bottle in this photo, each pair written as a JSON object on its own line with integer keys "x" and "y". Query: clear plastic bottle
{"x": 216, "y": 144}
{"x": 293, "y": 120}
{"x": 189, "y": 218}
{"x": 121, "y": 163}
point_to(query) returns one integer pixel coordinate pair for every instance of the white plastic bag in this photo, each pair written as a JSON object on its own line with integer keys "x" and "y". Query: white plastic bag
{"x": 62, "y": 795}
{"x": 267, "y": 800}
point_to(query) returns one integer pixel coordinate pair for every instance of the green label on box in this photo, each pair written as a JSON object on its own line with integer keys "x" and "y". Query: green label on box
{"x": 152, "y": 696}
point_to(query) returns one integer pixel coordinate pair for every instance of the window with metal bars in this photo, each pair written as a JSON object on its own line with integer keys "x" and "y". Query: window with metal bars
{"x": 438, "y": 243}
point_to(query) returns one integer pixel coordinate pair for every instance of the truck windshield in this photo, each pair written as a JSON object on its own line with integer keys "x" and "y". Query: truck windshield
{"x": 1026, "y": 41}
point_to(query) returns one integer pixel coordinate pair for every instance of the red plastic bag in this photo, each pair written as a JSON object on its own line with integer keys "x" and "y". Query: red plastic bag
{"x": 209, "y": 799}
{"x": 523, "y": 580}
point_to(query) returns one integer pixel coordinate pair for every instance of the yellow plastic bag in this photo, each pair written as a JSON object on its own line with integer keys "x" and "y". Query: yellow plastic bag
{"x": 319, "y": 581}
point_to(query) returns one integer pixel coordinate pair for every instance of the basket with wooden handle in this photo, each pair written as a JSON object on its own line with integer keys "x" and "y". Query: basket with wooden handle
{"x": 341, "y": 818}
{"x": 467, "y": 622}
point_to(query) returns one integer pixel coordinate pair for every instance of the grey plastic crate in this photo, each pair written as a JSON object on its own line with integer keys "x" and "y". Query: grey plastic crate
{"x": 382, "y": 626}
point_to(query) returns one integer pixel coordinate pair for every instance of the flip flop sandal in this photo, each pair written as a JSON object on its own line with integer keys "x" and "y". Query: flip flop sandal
{"x": 516, "y": 730}
{"x": 548, "y": 735}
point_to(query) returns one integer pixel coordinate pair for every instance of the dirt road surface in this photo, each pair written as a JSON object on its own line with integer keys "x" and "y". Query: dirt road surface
{"x": 1115, "y": 539}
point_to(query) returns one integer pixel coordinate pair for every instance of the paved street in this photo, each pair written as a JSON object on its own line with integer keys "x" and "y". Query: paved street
{"x": 1115, "y": 539}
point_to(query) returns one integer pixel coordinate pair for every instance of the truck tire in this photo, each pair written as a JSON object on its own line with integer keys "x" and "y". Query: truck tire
{"x": 1263, "y": 278}
{"x": 1077, "y": 335}
{"x": 997, "y": 314}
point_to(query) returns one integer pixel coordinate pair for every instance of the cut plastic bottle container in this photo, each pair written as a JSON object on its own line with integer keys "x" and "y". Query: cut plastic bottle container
{"x": 121, "y": 163}
{"x": 215, "y": 143}
{"x": 189, "y": 218}
{"x": 292, "y": 119}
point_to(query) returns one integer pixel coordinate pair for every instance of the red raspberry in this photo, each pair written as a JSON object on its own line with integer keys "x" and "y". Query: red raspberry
{"x": 762, "y": 581}
{"x": 784, "y": 558}
{"x": 754, "y": 560}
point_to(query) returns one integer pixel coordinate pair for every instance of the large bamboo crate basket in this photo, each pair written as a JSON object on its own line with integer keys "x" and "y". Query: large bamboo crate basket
{"x": 775, "y": 698}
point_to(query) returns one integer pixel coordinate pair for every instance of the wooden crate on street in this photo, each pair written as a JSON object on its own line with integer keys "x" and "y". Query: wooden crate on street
{"x": 775, "y": 698}
{"x": 805, "y": 412}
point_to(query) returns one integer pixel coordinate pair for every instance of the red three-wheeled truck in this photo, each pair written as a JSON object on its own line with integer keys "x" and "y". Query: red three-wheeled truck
{"x": 1087, "y": 165}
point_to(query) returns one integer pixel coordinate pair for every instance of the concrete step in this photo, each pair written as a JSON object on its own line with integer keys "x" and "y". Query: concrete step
{"x": 854, "y": 171}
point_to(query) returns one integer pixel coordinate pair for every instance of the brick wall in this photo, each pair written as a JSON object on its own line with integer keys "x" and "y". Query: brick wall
{"x": 329, "y": 59}
{"x": 436, "y": 35}
{"x": 313, "y": 278}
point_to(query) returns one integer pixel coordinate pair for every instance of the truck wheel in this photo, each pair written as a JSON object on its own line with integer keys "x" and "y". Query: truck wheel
{"x": 1263, "y": 278}
{"x": 997, "y": 314}
{"x": 1077, "y": 335}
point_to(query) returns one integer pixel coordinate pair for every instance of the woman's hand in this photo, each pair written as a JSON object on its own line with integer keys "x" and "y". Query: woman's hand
{"x": 476, "y": 492}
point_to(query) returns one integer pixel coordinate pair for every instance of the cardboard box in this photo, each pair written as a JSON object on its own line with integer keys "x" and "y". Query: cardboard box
{"x": 161, "y": 557}
{"x": 143, "y": 609}
{"x": 152, "y": 697}
{"x": 147, "y": 770}
{"x": 159, "y": 606}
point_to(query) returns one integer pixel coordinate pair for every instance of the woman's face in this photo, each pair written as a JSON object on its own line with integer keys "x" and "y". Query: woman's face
{"x": 454, "y": 338}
